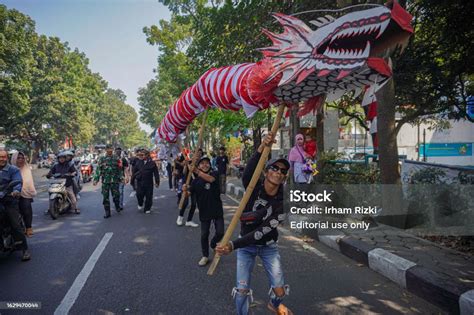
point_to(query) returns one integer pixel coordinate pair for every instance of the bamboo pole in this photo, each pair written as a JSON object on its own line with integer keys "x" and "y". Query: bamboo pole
{"x": 248, "y": 191}
{"x": 193, "y": 163}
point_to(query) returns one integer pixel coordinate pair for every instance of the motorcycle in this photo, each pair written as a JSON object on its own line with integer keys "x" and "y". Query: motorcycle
{"x": 86, "y": 171}
{"x": 7, "y": 243}
{"x": 59, "y": 202}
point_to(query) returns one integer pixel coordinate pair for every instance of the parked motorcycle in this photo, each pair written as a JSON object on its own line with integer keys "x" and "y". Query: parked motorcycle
{"x": 86, "y": 171}
{"x": 59, "y": 202}
{"x": 7, "y": 243}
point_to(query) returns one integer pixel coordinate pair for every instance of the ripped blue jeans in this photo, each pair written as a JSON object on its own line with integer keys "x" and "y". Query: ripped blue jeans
{"x": 246, "y": 256}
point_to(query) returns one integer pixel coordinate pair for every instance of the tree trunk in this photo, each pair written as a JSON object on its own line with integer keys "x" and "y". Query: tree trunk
{"x": 387, "y": 136}
{"x": 320, "y": 131}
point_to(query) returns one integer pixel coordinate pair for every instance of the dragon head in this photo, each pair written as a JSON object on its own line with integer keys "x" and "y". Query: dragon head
{"x": 344, "y": 51}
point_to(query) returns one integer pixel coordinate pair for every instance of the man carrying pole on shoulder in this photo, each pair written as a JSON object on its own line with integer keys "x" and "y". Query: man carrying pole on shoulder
{"x": 259, "y": 235}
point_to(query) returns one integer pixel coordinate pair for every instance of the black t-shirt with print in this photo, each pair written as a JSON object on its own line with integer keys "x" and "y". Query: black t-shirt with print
{"x": 208, "y": 198}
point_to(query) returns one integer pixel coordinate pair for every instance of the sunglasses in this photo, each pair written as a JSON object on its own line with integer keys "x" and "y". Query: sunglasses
{"x": 276, "y": 168}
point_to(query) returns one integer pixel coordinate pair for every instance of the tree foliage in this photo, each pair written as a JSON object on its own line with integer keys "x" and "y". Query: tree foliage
{"x": 48, "y": 92}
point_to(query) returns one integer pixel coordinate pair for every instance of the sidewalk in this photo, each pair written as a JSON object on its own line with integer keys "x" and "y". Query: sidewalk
{"x": 439, "y": 275}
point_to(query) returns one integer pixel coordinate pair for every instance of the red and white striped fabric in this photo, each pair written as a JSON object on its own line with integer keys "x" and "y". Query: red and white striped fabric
{"x": 224, "y": 88}
{"x": 369, "y": 103}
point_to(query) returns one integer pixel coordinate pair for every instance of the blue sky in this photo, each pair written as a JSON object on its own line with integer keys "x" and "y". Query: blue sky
{"x": 109, "y": 32}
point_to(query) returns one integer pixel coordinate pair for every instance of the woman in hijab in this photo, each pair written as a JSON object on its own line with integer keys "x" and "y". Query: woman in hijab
{"x": 297, "y": 158}
{"x": 28, "y": 190}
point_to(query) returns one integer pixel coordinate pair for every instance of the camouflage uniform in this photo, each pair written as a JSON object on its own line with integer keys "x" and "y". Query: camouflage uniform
{"x": 110, "y": 170}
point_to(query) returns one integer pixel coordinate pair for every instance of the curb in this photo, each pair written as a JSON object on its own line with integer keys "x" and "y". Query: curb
{"x": 452, "y": 296}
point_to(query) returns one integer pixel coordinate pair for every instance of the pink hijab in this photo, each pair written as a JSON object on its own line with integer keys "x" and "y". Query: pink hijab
{"x": 297, "y": 153}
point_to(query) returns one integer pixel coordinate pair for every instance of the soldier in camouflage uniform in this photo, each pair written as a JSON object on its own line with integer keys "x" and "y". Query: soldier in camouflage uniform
{"x": 109, "y": 168}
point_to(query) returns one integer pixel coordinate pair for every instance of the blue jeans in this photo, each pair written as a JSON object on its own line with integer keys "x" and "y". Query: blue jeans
{"x": 121, "y": 187}
{"x": 270, "y": 257}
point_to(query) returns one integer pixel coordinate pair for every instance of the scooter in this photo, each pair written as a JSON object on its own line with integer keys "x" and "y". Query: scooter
{"x": 59, "y": 202}
{"x": 7, "y": 243}
{"x": 86, "y": 171}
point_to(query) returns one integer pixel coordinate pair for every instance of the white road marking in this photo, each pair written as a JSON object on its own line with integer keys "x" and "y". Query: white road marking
{"x": 71, "y": 295}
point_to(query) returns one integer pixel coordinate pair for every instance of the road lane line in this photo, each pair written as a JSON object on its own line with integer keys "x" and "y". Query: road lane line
{"x": 71, "y": 295}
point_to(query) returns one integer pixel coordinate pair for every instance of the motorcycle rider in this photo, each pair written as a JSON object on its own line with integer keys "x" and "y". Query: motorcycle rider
{"x": 8, "y": 174}
{"x": 68, "y": 171}
{"x": 76, "y": 183}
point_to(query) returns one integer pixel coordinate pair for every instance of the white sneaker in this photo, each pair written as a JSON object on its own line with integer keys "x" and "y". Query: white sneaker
{"x": 140, "y": 207}
{"x": 179, "y": 221}
{"x": 191, "y": 224}
{"x": 203, "y": 261}
{"x": 147, "y": 212}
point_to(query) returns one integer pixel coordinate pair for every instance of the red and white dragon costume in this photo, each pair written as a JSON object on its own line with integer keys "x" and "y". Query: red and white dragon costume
{"x": 303, "y": 65}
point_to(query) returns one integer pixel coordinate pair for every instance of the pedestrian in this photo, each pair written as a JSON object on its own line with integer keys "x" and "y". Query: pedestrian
{"x": 125, "y": 173}
{"x": 144, "y": 172}
{"x": 178, "y": 173}
{"x": 109, "y": 169}
{"x": 258, "y": 233}
{"x": 192, "y": 196}
{"x": 206, "y": 189}
{"x": 213, "y": 161}
{"x": 222, "y": 162}
{"x": 169, "y": 170}
{"x": 28, "y": 191}
{"x": 9, "y": 174}
{"x": 66, "y": 170}
{"x": 297, "y": 158}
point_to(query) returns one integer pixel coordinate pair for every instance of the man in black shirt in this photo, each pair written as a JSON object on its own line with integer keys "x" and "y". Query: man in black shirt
{"x": 143, "y": 173}
{"x": 258, "y": 233}
{"x": 222, "y": 161}
{"x": 206, "y": 189}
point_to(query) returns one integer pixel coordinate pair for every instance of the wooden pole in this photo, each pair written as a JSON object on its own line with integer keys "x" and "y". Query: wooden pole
{"x": 248, "y": 191}
{"x": 193, "y": 163}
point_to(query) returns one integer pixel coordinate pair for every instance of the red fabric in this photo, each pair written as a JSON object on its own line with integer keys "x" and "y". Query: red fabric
{"x": 372, "y": 112}
{"x": 311, "y": 148}
{"x": 402, "y": 17}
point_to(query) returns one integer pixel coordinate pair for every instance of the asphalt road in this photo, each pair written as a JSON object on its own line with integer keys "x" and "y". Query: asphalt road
{"x": 149, "y": 266}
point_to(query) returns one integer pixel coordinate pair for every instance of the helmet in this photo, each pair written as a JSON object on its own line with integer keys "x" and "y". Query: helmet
{"x": 62, "y": 154}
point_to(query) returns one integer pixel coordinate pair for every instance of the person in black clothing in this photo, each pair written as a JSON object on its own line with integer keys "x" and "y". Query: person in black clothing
{"x": 258, "y": 233}
{"x": 192, "y": 208}
{"x": 68, "y": 171}
{"x": 222, "y": 161}
{"x": 143, "y": 172}
{"x": 206, "y": 188}
{"x": 169, "y": 171}
{"x": 178, "y": 172}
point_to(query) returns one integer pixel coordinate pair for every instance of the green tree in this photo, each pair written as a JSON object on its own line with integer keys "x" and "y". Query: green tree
{"x": 17, "y": 35}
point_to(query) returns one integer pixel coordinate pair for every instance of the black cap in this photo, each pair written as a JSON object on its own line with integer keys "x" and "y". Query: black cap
{"x": 118, "y": 148}
{"x": 204, "y": 158}
{"x": 108, "y": 146}
{"x": 273, "y": 161}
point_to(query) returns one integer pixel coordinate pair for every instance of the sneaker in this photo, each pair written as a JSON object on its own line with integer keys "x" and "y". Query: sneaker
{"x": 147, "y": 212}
{"x": 26, "y": 256}
{"x": 203, "y": 261}
{"x": 281, "y": 310}
{"x": 191, "y": 224}
{"x": 179, "y": 221}
{"x": 77, "y": 211}
{"x": 140, "y": 207}
{"x": 119, "y": 209}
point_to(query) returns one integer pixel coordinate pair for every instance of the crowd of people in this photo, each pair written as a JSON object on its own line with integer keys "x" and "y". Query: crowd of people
{"x": 262, "y": 214}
